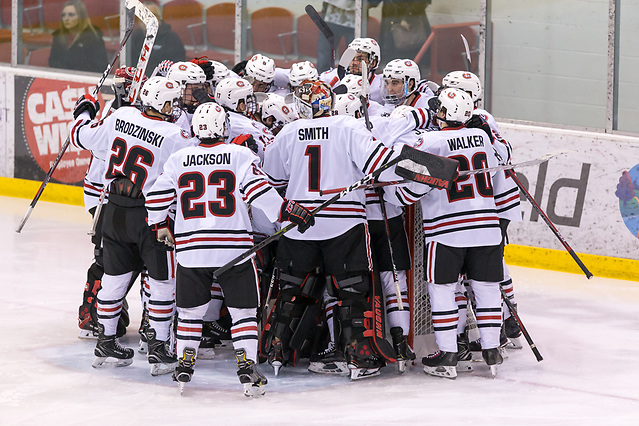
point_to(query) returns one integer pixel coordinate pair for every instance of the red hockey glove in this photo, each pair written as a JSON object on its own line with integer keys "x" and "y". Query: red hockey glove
{"x": 297, "y": 214}
{"x": 86, "y": 103}
{"x": 246, "y": 140}
{"x": 163, "y": 233}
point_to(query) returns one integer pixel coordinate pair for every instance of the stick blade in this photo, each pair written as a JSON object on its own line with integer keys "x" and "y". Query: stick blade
{"x": 430, "y": 169}
{"x": 130, "y": 18}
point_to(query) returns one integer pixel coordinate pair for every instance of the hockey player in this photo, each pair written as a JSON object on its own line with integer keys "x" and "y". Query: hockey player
{"x": 399, "y": 87}
{"x": 299, "y": 72}
{"x": 462, "y": 233}
{"x": 137, "y": 145}
{"x": 213, "y": 184}
{"x": 260, "y": 72}
{"x": 215, "y": 71}
{"x": 321, "y": 151}
{"x": 276, "y": 113}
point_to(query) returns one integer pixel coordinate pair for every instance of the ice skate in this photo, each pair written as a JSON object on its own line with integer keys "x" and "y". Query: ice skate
{"x": 329, "y": 361}
{"x": 109, "y": 353}
{"x": 88, "y": 330}
{"x": 143, "y": 346}
{"x": 362, "y": 368}
{"x": 493, "y": 358}
{"x": 441, "y": 364}
{"x": 513, "y": 332}
{"x": 184, "y": 370}
{"x": 162, "y": 362}
{"x": 207, "y": 348}
{"x": 249, "y": 375}
{"x": 276, "y": 356}
{"x": 404, "y": 352}
{"x": 464, "y": 355}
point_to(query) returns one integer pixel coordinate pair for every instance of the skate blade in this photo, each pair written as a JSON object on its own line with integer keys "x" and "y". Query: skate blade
{"x": 87, "y": 334}
{"x": 402, "y": 365}
{"x": 161, "y": 368}
{"x": 464, "y": 366}
{"x": 205, "y": 353}
{"x": 503, "y": 353}
{"x": 109, "y": 362}
{"x": 448, "y": 372}
{"x": 514, "y": 343}
{"x": 181, "y": 387}
{"x": 364, "y": 373}
{"x": 493, "y": 371}
{"x": 276, "y": 367}
{"x": 143, "y": 347}
{"x": 252, "y": 390}
{"x": 333, "y": 368}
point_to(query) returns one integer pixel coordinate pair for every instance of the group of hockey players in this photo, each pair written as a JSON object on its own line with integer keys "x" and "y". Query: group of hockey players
{"x": 210, "y": 161}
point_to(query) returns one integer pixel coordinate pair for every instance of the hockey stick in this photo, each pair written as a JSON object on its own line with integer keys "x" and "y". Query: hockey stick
{"x": 398, "y": 291}
{"x": 369, "y": 186}
{"x": 407, "y": 154}
{"x": 324, "y": 29}
{"x": 514, "y": 313}
{"x": 467, "y": 49}
{"x": 363, "y": 96}
{"x": 151, "y": 24}
{"x": 130, "y": 22}
{"x": 546, "y": 219}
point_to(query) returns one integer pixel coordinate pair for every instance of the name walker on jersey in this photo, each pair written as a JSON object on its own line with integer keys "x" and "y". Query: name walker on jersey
{"x": 472, "y": 141}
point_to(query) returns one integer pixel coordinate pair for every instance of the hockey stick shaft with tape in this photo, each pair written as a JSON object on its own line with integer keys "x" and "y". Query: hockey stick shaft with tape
{"x": 130, "y": 23}
{"x": 513, "y": 311}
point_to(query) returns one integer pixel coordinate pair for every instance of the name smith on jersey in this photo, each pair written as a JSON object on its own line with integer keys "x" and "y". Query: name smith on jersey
{"x": 207, "y": 159}
{"x": 139, "y": 132}
{"x": 312, "y": 133}
{"x": 472, "y": 141}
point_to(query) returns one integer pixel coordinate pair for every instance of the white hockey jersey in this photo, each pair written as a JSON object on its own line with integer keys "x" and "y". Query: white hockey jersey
{"x": 242, "y": 125}
{"x": 506, "y": 190}
{"x": 465, "y": 215}
{"x": 331, "y": 78}
{"x": 136, "y": 145}
{"x": 320, "y": 154}
{"x": 213, "y": 186}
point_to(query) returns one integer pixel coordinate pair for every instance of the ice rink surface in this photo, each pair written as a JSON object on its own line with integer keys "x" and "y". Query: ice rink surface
{"x": 587, "y": 332}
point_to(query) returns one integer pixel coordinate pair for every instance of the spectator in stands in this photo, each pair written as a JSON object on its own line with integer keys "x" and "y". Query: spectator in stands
{"x": 77, "y": 45}
{"x": 340, "y": 17}
{"x": 168, "y": 44}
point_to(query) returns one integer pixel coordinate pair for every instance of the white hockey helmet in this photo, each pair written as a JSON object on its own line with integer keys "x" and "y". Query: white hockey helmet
{"x": 231, "y": 91}
{"x": 347, "y": 104}
{"x": 301, "y": 71}
{"x": 220, "y": 72}
{"x": 314, "y": 99}
{"x": 186, "y": 73}
{"x": 456, "y": 106}
{"x": 275, "y": 106}
{"x": 401, "y": 111}
{"x": 260, "y": 68}
{"x": 370, "y": 46}
{"x": 399, "y": 69}
{"x": 157, "y": 91}
{"x": 466, "y": 81}
{"x": 211, "y": 121}
{"x": 352, "y": 83}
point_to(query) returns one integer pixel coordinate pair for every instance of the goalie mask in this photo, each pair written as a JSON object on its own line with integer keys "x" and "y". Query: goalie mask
{"x": 398, "y": 75}
{"x": 314, "y": 99}
{"x": 454, "y": 106}
{"x": 276, "y": 113}
{"x": 348, "y": 104}
{"x": 466, "y": 81}
{"x": 301, "y": 71}
{"x": 236, "y": 94}
{"x": 123, "y": 77}
{"x": 191, "y": 77}
{"x": 211, "y": 121}
{"x": 157, "y": 91}
{"x": 260, "y": 72}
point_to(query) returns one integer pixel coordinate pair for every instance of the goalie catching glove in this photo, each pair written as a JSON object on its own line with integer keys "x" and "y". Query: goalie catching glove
{"x": 86, "y": 103}
{"x": 163, "y": 233}
{"x": 296, "y": 213}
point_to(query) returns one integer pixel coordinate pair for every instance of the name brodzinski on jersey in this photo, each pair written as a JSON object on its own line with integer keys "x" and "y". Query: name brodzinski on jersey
{"x": 472, "y": 141}
{"x": 312, "y": 133}
{"x": 207, "y": 159}
{"x": 139, "y": 132}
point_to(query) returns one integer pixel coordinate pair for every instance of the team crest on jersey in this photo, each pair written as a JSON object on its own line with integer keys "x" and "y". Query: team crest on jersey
{"x": 185, "y": 134}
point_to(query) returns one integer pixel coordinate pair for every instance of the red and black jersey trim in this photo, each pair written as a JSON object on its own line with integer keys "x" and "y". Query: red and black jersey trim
{"x": 160, "y": 200}
{"x": 380, "y": 156}
{"x": 255, "y": 189}
{"x": 461, "y": 221}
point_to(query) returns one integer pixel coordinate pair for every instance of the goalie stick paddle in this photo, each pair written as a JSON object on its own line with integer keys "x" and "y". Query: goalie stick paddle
{"x": 406, "y": 153}
{"x": 130, "y": 23}
{"x": 514, "y": 313}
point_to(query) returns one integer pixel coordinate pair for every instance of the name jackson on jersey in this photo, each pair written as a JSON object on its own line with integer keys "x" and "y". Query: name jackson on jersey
{"x": 207, "y": 159}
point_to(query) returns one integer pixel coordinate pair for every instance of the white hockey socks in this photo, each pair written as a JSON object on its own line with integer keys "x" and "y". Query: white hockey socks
{"x": 396, "y": 318}
{"x": 161, "y": 306}
{"x": 244, "y": 330}
{"x": 217, "y": 298}
{"x": 488, "y": 313}
{"x": 507, "y": 286}
{"x": 109, "y": 300}
{"x": 444, "y": 311}
{"x": 189, "y": 328}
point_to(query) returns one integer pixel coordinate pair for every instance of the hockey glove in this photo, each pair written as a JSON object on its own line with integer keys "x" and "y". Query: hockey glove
{"x": 86, "y": 103}
{"x": 163, "y": 233}
{"x": 246, "y": 140}
{"x": 477, "y": 121}
{"x": 296, "y": 213}
{"x": 206, "y": 66}
{"x": 202, "y": 97}
{"x": 162, "y": 68}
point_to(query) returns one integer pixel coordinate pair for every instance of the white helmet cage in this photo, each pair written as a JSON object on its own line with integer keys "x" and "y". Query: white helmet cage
{"x": 191, "y": 77}
{"x": 157, "y": 91}
{"x": 456, "y": 104}
{"x": 401, "y": 111}
{"x": 347, "y": 104}
{"x": 275, "y": 106}
{"x": 466, "y": 81}
{"x": 211, "y": 121}
{"x": 260, "y": 68}
{"x": 400, "y": 69}
{"x": 231, "y": 91}
{"x": 370, "y": 46}
{"x": 301, "y": 71}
